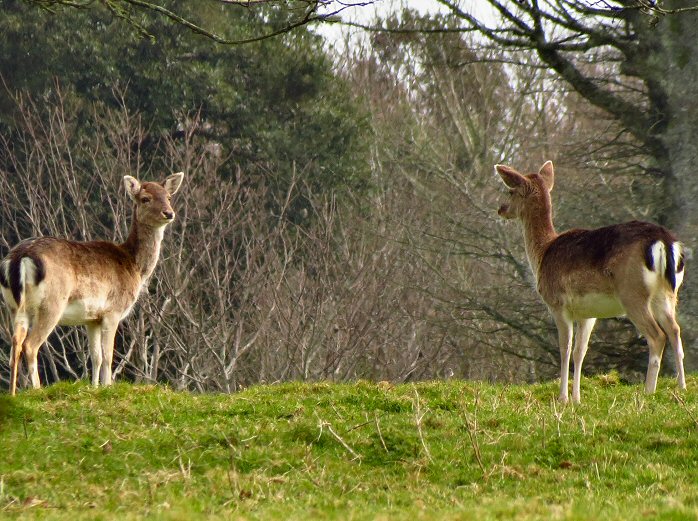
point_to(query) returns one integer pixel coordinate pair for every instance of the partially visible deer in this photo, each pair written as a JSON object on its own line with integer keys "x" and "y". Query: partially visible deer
{"x": 633, "y": 269}
{"x": 48, "y": 281}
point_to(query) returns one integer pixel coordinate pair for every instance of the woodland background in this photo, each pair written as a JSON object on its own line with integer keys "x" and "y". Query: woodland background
{"x": 338, "y": 219}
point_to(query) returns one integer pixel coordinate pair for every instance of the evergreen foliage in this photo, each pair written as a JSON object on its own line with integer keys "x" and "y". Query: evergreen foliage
{"x": 273, "y": 108}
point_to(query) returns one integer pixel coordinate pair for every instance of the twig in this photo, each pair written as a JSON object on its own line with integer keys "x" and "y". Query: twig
{"x": 9, "y": 504}
{"x": 558, "y": 416}
{"x": 362, "y": 424}
{"x": 323, "y": 424}
{"x": 473, "y": 441}
{"x": 418, "y": 417}
{"x": 186, "y": 471}
{"x": 378, "y": 428}
{"x": 471, "y": 426}
{"x": 232, "y": 478}
{"x": 336, "y": 412}
{"x": 309, "y": 17}
{"x": 682, "y": 402}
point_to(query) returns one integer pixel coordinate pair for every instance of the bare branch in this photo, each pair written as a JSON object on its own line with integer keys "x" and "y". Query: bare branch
{"x": 311, "y": 14}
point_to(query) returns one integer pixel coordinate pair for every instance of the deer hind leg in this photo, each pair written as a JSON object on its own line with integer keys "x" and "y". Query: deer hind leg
{"x": 564, "y": 333}
{"x": 94, "y": 337}
{"x": 44, "y": 321}
{"x": 21, "y": 328}
{"x": 581, "y": 344}
{"x": 642, "y": 317}
{"x": 665, "y": 314}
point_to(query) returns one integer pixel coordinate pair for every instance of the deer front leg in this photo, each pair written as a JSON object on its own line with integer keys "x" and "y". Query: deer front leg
{"x": 581, "y": 344}
{"x": 94, "y": 336}
{"x": 564, "y": 332}
{"x": 109, "y": 327}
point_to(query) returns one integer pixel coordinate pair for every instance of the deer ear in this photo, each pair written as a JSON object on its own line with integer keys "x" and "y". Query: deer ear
{"x": 173, "y": 182}
{"x": 133, "y": 186}
{"x": 547, "y": 173}
{"x": 510, "y": 176}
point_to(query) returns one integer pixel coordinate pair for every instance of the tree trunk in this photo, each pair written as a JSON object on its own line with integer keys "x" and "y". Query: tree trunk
{"x": 675, "y": 61}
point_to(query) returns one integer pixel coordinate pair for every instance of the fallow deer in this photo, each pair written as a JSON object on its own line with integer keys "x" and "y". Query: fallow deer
{"x": 633, "y": 269}
{"x": 49, "y": 281}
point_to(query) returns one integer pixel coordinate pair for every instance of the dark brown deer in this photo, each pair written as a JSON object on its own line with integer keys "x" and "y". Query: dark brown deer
{"x": 49, "y": 281}
{"x": 633, "y": 269}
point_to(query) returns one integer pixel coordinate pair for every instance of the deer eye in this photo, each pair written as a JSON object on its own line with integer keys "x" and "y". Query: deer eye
{"x": 145, "y": 200}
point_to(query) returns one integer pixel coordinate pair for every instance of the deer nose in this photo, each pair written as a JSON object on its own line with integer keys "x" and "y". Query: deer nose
{"x": 168, "y": 214}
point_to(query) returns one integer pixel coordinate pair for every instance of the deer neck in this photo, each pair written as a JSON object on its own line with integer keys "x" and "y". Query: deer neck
{"x": 538, "y": 232}
{"x": 143, "y": 243}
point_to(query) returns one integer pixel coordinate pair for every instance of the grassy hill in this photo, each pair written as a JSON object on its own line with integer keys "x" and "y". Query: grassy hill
{"x": 447, "y": 450}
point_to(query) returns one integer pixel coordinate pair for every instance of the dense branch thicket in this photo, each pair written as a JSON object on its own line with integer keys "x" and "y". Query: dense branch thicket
{"x": 243, "y": 294}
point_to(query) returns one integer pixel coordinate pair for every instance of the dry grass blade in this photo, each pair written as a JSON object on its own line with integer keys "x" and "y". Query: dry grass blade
{"x": 683, "y": 404}
{"x": 471, "y": 427}
{"x": 327, "y": 425}
{"x": 418, "y": 417}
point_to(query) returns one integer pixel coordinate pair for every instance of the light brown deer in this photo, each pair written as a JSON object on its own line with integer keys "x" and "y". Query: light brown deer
{"x": 48, "y": 281}
{"x": 632, "y": 269}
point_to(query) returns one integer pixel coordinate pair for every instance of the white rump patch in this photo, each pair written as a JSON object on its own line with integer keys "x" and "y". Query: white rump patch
{"x": 658, "y": 251}
{"x": 658, "y": 255}
{"x": 678, "y": 250}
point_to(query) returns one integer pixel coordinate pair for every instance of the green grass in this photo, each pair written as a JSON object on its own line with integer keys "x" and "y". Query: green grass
{"x": 445, "y": 450}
